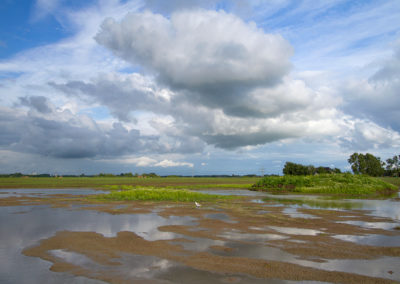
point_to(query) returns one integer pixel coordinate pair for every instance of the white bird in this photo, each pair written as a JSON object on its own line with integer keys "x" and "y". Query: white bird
{"x": 197, "y": 204}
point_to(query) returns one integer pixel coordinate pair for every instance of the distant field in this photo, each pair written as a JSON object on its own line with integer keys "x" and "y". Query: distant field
{"x": 101, "y": 182}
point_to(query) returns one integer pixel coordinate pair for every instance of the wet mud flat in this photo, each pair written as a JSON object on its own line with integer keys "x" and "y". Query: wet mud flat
{"x": 67, "y": 237}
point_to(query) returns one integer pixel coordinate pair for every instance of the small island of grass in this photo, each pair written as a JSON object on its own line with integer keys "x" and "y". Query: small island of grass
{"x": 157, "y": 194}
{"x": 333, "y": 184}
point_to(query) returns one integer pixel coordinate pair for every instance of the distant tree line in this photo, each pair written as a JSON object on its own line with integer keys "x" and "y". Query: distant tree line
{"x": 361, "y": 164}
{"x": 128, "y": 175}
{"x": 302, "y": 170}
{"x": 368, "y": 164}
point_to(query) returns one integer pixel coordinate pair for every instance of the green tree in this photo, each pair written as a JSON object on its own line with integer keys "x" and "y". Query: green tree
{"x": 393, "y": 166}
{"x": 366, "y": 164}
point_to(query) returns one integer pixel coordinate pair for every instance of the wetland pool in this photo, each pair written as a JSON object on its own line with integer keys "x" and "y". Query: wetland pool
{"x": 70, "y": 241}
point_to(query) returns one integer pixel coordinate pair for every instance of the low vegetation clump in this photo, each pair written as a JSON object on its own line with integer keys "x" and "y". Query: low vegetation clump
{"x": 157, "y": 194}
{"x": 340, "y": 184}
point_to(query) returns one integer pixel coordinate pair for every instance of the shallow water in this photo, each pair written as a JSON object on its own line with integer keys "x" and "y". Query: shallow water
{"x": 40, "y": 222}
{"x": 22, "y": 230}
{"x": 372, "y": 240}
{"x": 25, "y": 226}
{"x": 388, "y": 208}
{"x": 33, "y": 192}
{"x": 375, "y": 268}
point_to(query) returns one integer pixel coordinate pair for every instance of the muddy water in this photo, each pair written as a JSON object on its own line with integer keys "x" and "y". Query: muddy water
{"x": 25, "y": 226}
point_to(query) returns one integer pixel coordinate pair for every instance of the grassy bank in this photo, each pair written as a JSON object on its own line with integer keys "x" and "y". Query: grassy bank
{"x": 393, "y": 180}
{"x": 336, "y": 184}
{"x": 101, "y": 182}
{"x": 156, "y": 194}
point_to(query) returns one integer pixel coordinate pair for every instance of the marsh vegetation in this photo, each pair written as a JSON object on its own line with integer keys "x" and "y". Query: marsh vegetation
{"x": 159, "y": 194}
{"x": 336, "y": 184}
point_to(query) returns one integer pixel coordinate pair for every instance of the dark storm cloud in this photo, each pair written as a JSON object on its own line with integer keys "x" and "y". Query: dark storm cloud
{"x": 236, "y": 141}
{"x": 39, "y": 103}
{"x": 62, "y": 134}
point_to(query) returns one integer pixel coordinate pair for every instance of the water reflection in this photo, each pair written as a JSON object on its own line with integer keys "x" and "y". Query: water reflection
{"x": 372, "y": 240}
{"x": 34, "y": 192}
{"x": 389, "y": 208}
{"x": 292, "y": 212}
{"x": 296, "y": 231}
{"x": 372, "y": 225}
{"x": 239, "y": 236}
{"x": 23, "y": 230}
{"x": 221, "y": 217}
{"x": 375, "y": 268}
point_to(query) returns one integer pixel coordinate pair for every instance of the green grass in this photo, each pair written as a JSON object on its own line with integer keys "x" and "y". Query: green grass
{"x": 335, "y": 184}
{"x": 191, "y": 186}
{"x": 393, "y": 180}
{"x": 101, "y": 182}
{"x": 157, "y": 194}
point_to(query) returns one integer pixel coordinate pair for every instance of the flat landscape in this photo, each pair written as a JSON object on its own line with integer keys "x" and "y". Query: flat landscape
{"x": 187, "y": 141}
{"x": 124, "y": 230}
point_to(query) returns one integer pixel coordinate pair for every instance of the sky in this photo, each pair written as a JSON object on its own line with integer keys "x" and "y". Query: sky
{"x": 192, "y": 87}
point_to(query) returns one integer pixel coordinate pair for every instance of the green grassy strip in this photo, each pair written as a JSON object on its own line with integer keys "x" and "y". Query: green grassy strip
{"x": 341, "y": 184}
{"x": 193, "y": 186}
{"x": 156, "y": 194}
{"x": 101, "y": 182}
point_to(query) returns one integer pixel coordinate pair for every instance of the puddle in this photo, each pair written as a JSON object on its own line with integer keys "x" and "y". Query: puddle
{"x": 371, "y": 240}
{"x": 292, "y": 212}
{"x": 296, "y": 231}
{"x": 262, "y": 212}
{"x": 371, "y": 225}
{"x": 199, "y": 244}
{"x": 221, "y": 217}
{"x": 257, "y": 201}
{"x": 238, "y": 236}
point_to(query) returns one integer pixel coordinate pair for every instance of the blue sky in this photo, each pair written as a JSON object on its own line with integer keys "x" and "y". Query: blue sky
{"x": 203, "y": 87}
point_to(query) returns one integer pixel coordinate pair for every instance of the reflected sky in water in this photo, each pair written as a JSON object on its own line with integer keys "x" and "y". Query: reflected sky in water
{"x": 21, "y": 230}
{"x": 31, "y": 192}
